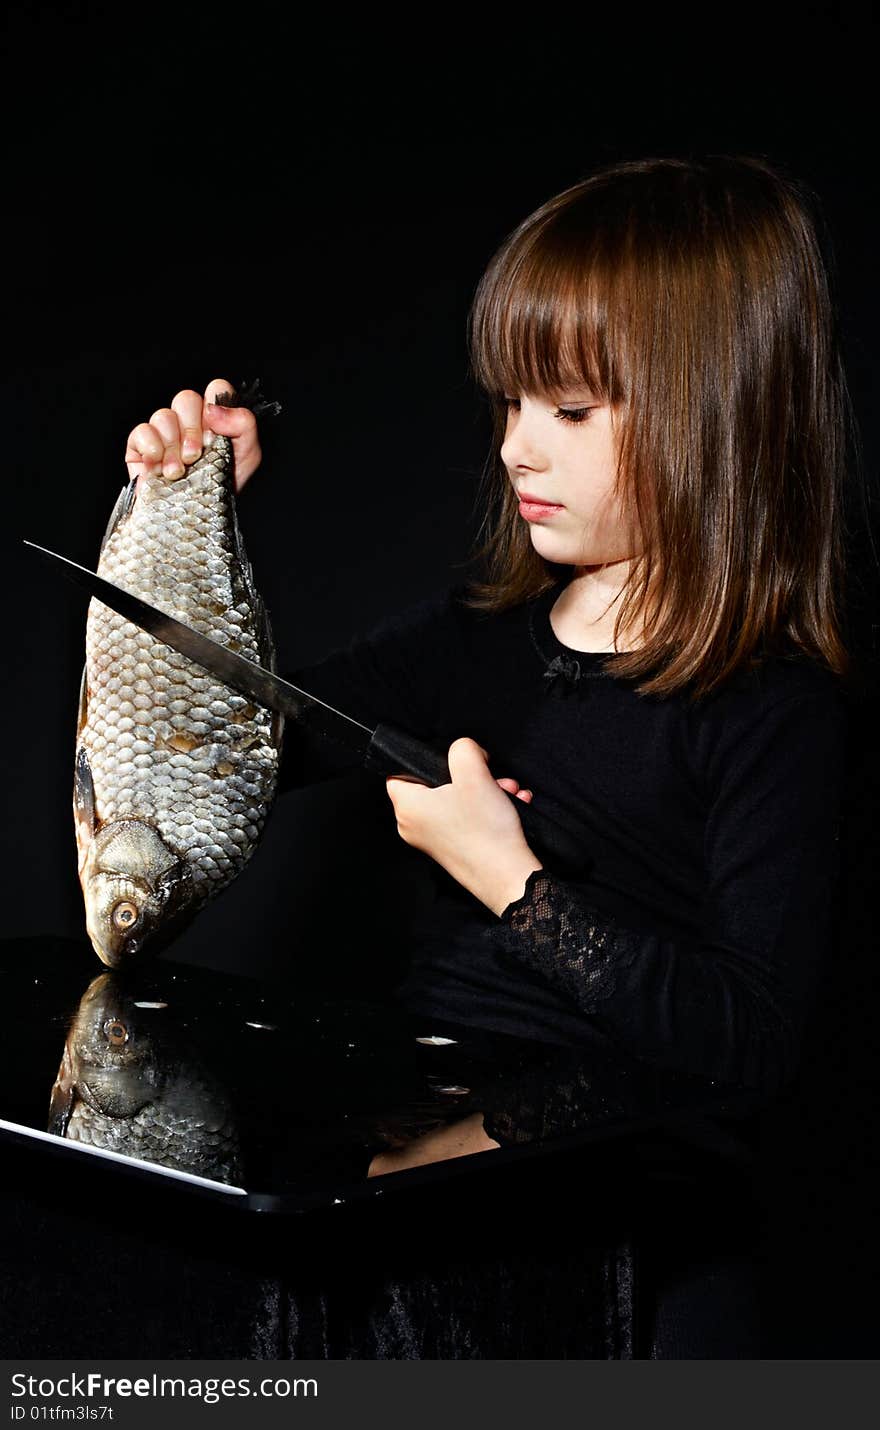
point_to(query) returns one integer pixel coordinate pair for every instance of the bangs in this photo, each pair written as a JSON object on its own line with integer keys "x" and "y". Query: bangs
{"x": 539, "y": 320}
{"x": 690, "y": 296}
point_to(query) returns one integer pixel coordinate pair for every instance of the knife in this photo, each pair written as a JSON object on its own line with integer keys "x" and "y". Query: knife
{"x": 386, "y": 748}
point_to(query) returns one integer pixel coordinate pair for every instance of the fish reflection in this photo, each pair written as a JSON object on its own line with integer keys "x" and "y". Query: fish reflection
{"x": 127, "y": 1085}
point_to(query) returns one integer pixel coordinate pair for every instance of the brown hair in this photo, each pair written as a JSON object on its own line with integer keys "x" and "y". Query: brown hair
{"x": 693, "y": 294}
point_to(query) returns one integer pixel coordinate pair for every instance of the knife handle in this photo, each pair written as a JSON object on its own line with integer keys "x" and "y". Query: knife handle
{"x": 392, "y": 750}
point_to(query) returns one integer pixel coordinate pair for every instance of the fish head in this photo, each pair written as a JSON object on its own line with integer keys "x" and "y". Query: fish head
{"x": 128, "y": 1060}
{"x": 138, "y": 893}
{"x": 113, "y": 1057}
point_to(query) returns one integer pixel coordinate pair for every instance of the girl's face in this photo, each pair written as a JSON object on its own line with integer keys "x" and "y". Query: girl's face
{"x": 561, "y": 456}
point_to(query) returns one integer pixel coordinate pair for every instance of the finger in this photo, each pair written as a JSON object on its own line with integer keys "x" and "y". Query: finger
{"x": 237, "y": 423}
{"x": 214, "y": 414}
{"x": 406, "y": 803}
{"x": 233, "y": 422}
{"x": 511, "y": 786}
{"x": 188, "y": 407}
{"x": 144, "y": 450}
{"x": 525, "y": 795}
{"x": 167, "y": 424}
{"x": 467, "y": 758}
{"x": 216, "y": 386}
{"x": 406, "y": 792}
{"x": 466, "y": 746}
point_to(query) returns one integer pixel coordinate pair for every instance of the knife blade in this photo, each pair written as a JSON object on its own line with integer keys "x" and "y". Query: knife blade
{"x": 386, "y": 748}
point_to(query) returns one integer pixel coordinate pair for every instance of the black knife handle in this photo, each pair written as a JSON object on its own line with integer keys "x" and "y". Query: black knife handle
{"x": 392, "y": 750}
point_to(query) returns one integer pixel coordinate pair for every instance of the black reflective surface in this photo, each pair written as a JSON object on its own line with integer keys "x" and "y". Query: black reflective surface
{"x": 276, "y": 1103}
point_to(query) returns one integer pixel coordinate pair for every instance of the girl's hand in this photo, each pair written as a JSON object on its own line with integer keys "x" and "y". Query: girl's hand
{"x": 174, "y": 436}
{"x": 469, "y": 827}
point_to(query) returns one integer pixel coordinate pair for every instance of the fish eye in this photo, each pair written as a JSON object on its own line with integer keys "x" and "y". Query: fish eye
{"x": 124, "y": 915}
{"x": 115, "y": 1032}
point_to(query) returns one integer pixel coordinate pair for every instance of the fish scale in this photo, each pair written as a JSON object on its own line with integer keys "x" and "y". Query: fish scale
{"x": 162, "y": 744}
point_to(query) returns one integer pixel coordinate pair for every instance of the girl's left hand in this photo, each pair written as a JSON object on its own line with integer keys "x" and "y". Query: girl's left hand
{"x": 469, "y": 826}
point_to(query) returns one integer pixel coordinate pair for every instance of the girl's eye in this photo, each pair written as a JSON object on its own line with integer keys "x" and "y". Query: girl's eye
{"x": 575, "y": 415}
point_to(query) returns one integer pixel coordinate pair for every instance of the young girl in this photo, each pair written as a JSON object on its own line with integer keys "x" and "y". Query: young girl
{"x": 655, "y": 654}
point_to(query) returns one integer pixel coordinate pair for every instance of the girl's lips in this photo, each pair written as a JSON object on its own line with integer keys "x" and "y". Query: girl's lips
{"x": 533, "y": 509}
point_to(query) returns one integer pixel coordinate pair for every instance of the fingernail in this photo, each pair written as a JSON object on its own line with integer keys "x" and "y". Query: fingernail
{"x": 190, "y": 448}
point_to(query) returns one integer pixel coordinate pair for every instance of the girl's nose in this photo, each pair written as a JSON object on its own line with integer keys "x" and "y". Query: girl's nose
{"x": 522, "y": 445}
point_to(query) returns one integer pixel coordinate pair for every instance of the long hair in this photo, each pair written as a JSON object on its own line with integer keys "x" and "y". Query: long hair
{"x": 694, "y": 295}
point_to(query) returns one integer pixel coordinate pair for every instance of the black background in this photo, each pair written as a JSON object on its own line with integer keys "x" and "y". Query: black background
{"x": 227, "y": 198}
{"x": 229, "y": 201}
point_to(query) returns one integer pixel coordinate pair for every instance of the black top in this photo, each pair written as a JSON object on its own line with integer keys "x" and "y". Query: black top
{"x": 710, "y": 832}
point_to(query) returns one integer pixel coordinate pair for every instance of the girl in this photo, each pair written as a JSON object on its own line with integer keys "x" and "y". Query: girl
{"x": 655, "y": 650}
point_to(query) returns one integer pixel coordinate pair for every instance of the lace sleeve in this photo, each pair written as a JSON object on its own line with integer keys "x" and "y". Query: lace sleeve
{"x": 730, "y": 999}
{"x": 701, "y": 1010}
{"x": 558, "y": 935}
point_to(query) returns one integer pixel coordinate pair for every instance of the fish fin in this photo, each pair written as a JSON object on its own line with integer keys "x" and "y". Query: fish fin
{"x": 83, "y": 707}
{"x": 83, "y": 785}
{"x": 124, "y": 504}
{"x": 84, "y": 791}
{"x": 84, "y": 814}
{"x": 265, "y": 639}
{"x": 63, "y": 1097}
{"x": 84, "y": 811}
{"x": 250, "y": 396}
{"x": 269, "y": 658}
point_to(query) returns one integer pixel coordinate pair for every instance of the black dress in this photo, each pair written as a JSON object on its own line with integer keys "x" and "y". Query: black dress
{"x": 695, "y": 934}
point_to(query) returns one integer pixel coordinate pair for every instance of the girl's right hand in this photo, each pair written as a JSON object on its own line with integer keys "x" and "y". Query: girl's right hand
{"x": 174, "y": 436}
